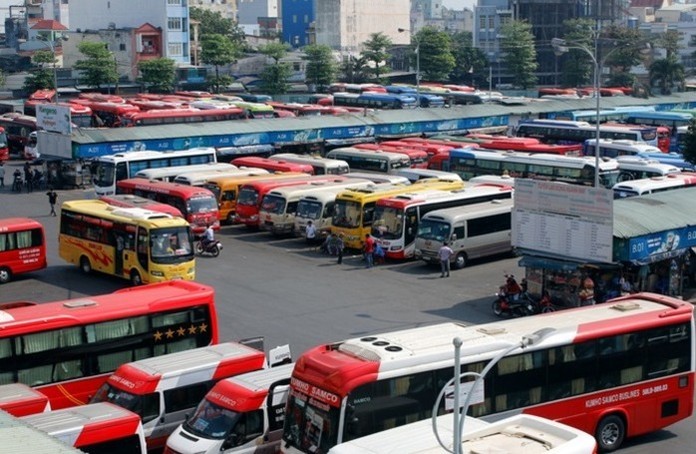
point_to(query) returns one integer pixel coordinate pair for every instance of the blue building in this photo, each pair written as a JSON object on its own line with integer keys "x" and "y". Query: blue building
{"x": 297, "y": 16}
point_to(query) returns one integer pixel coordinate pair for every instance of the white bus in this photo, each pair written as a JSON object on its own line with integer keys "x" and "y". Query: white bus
{"x": 414, "y": 175}
{"x": 635, "y": 168}
{"x": 472, "y": 231}
{"x": 652, "y": 185}
{"x": 322, "y": 166}
{"x": 520, "y": 434}
{"x": 121, "y": 166}
{"x": 202, "y": 177}
{"x": 169, "y": 173}
{"x": 609, "y": 148}
{"x": 371, "y": 160}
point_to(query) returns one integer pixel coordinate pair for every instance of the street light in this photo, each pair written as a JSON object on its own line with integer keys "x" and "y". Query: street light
{"x": 417, "y": 51}
{"x": 526, "y": 341}
{"x": 51, "y": 44}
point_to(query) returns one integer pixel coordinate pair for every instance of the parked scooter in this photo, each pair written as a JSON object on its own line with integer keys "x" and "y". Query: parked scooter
{"x": 211, "y": 248}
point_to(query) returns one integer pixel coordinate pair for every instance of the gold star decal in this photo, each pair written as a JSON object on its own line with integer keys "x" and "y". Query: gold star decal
{"x": 158, "y": 336}
{"x": 181, "y": 331}
{"x": 169, "y": 333}
{"x": 192, "y": 329}
{"x": 203, "y": 328}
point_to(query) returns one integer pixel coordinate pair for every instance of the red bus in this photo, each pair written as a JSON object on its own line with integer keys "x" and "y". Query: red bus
{"x": 134, "y": 201}
{"x": 272, "y": 165}
{"x": 419, "y": 158}
{"x": 614, "y": 370}
{"x": 198, "y": 205}
{"x": 22, "y": 247}
{"x": 19, "y": 399}
{"x": 251, "y": 195}
{"x": 109, "y": 114}
{"x": 17, "y": 128}
{"x": 172, "y": 116}
{"x": 67, "y": 349}
{"x": 426, "y": 145}
{"x": 529, "y": 145}
{"x": 300, "y": 110}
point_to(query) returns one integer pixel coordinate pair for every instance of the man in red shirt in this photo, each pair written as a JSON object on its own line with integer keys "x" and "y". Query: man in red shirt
{"x": 368, "y": 250}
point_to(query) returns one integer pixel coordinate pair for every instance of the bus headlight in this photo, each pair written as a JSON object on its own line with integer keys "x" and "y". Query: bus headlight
{"x": 157, "y": 273}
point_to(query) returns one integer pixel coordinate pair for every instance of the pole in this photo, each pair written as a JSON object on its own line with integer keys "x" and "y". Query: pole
{"x": 55, "y": 68}
{"x": 490, "y": 79}
{"x": 598, "y": 70}
{"x": 457, "y": 383}
{"x": 418, "y": 68}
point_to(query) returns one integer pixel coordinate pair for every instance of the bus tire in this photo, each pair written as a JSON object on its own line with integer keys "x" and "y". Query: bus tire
{"x": 85, "y": 266}
{"x": 135, "y": 278}
{"x": 5, "y": 275}
{"x": 610, "y": 433}
{"x": 460, "y": 261}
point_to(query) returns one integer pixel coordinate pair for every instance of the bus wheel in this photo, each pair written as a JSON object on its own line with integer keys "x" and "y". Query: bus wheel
{"x": 85, "y": 266}
{"x": 135, "y": 278}
{"x": 5, "y": 275}
{"x": 610, "y": 433}
{"x": 460, "y": 261}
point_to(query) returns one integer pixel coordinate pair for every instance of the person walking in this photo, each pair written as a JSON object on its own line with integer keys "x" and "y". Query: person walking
{"x": 340, "y": 245}
{"x": 369, "y": 250}
{"x": 2, "y": 174}
{"x": 310, "y": 233}
{"x": 52, "y": 197}
{"x": 444, "y": 254}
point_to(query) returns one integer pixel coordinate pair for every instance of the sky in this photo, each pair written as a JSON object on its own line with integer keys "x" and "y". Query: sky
{"x": 459, "y": 4}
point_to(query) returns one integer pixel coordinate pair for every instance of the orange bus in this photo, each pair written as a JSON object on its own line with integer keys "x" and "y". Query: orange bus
{"x": 67, "y": 349}
{"x": 272, "y": 165}
{"x": 198, "y": 205}
{"x": 22, "y": 247}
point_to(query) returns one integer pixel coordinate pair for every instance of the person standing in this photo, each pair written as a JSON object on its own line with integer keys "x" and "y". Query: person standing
{"x": 52, "y": 197}
{"x": 310, "y": 233}
{"x": 2, "y": 174}
{"x": 444, "y": 254}
{"x": 339, "y": 247}
{"x": 368, "y": 251}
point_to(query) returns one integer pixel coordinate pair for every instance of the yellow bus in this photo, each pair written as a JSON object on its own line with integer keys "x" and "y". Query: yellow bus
{"x": 140, "y": 245}
{"x": 226, "y": 189}
{"x": 354, "y": 210}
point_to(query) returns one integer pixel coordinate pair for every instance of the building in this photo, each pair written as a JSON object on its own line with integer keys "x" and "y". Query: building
{"x": 297, "y": 18}
{"x": 258, "y": 17}
{"x": 682, "y": 19}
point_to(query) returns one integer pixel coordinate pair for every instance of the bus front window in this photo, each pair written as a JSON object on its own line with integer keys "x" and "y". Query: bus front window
{"x": 171, "y": 245}
{"x": 310, "y": 426}
{"x": 308, "y": 209}
{"x": 146, "y": 406}
{"x": 433, "y": 230}
{"x": 202, "y": 205}
{"x": 104, "y": 176}
{"x": 347, "y": 214}
{"x": 273, "y": 204}
{"x": 247, "y": 196}
{"x": 212, "y": 421}
{"x": 608, "y": 179}
{"x": 388, "y": 223}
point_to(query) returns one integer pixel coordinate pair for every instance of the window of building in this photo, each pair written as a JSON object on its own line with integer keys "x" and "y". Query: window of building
{"x": 174, "y": 49}
{"x": 122, "y": 47}
{"x": 294, "y": 18}
{"x": 174, "y": 23}
{"x": 173, "y": 2}
{"x": 482, "y": 22}
{"x": 306, "y": 18}
{"x": 491, "y": 22}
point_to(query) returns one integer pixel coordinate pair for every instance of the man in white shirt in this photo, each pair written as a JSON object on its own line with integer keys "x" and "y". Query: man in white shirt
{"x": 444, "y": 255}
{"x": 310, "y": 233}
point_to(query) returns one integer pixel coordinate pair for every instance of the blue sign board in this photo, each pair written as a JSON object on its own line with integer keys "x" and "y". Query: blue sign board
{"x": 657, "y": 246}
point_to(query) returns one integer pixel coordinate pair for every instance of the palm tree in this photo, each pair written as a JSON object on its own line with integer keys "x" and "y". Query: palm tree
{"x": 666, "y": 73}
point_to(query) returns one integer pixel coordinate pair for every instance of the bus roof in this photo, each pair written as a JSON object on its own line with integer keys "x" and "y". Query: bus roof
{"x": 240, "y": 179}
{"x": 200, "y": 177}
{"x": 320, "y": 186}
{"x": 374, "y": 194}
{"x": 19, "y": 399}
{"x": 638, "y": 163}
{"x": 273, "y": 164}
{"x": 342, "y": 364}
{"x": 536, "y": 158}
{"x": 147, "y": 154}
{"x": 159, "y": 172}
{"x": 119, "y": 304}
{"x": 352, "y": 151}
{"x": 20, "y": 437}
{"x": 672, "y": 180}
{"x": 419, "y": 198}
{"x": 190, "y": 366}
{"x": 163, "y": 187}
{"x": 13, "y": 224}
{"x": 246, "y": 392}
{"x": 625, "y": 144}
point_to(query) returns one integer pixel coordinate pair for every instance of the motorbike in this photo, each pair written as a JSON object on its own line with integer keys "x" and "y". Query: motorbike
{"x": 212, "y": 248}
{"x": 17, "y": 183}
{"x": 517, "y": 303}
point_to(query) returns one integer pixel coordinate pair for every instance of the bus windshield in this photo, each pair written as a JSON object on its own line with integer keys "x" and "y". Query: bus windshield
{"x": 347, "y": 214}
{"x": 608, "y": 179}
{"x": 433, "y": 230}
{"x": 170, "y": 245}
{"x": 310, "y": 426}
{"x": 104, "y": 176}
{"x": 212, "y": 421}
{"x": 248, "y": 196}
{"x": 273, "y": 204}
{"x": 202, "y": 204}
{"x": 309, "y": 209}
{"x": 388, "y": 223}
{"x": 129, "y": 401}
{"x": 214, "y": 188}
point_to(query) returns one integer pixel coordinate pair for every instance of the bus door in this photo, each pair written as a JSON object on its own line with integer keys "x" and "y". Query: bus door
{"x": 411, "y": 227}
{"x": 120, "y": 240}
{"x": 143, "y": 247}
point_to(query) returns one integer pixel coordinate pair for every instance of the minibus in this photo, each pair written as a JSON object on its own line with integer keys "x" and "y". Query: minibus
{"x": 472, "y": 231}
{"x": 321, "y": 166}
{"x": 19, "y": 399}
{"x": 22, "y": 247}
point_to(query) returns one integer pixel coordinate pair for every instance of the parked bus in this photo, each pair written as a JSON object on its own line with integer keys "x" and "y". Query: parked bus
{"x": 75, "y": 344}
{"x": 252, "y": 193}
{"x": 169, "y": 173}
{"x": 134, "y": 201}
{"x": 374, "y": 100}
{"x": 200, "y": 178}
{"x": 226, "y": 190}
{"x": 468, "y": 163}
{"x": 675, "y": 159}
{"x": 175, "y": 116}
{"x": 108, "y": 114}
{"x": 652, "y": 185}
{"x": 22, "y": 247}
{"x": 94, "y": 429}
{"x": 16, "y": 129}
{"x": 609, "y": 148}
{"x": 396, "y": 219}
{"x": 19, "y": 399}
{"x": 472, "y": 231}
{"x": 198, "y": 205}
{"x": 615, "y": 370}
{"x": 120, "y": 166}
{"x": 164, "y": 389}
{"x": 132, "y": 243}
{"x": 239, "y": 415}
{"x": 636, "y": 168}
{"x": 354, "y": 212}
{"x": 417, "y": 157}
{"x": 279, "y": 206}
{"x": 254, "y": 109}
{"x": 321, "y": 166}
{"x": 560, "y": 131}
{"x": 273, "y": 165}
{"x": 529, "y": 145}
{"x": 414, "y": 175}
{"x": 671, "y": 120}
{"x": 370, "y": 160}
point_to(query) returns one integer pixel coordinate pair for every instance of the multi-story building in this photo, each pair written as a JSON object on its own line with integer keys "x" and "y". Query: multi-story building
{"x": 682, "y": 19}
{"x": 297, "y": 18}
{"x": 258, "y": 17}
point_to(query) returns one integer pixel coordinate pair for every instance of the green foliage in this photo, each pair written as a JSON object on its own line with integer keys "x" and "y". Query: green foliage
{"x": 218, "y": 50}
{"x": 669, "y": 41}
{"x": 435, "y": 48}
{"x": 520, "y": 53}
{"x": 41, "y": 77}
{"x": 276, "y": 51}
{"x": 354, "y": 70}
{"x": 689, "y": 146}
{"x": 620, "y": 50}
{"x": 667, "y": 73}
{"x": 99, "y": 67}
{"x": 213, "y": 23}
{"x": 471, "y": 63}
{"x": 375, "y": 54}
{"x": 577, "y": 67}
{"x": 321, "y": 66}
{"x": 158, "y": 74}
{"x": 274, "y": 78}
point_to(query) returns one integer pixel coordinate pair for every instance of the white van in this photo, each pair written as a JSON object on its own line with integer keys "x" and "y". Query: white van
{"x": 472, "y": 231}
{"x": 239, "y": 415}
{"x": 414, "y": 175}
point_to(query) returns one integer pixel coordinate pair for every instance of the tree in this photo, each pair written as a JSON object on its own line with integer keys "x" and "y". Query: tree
{"x": 689, "y": 146}
{"x": 354, "y": 70}
{"x": 321, "y": 66}
{"x": 213, "y": 23}
{"x": 668, "y": 72}
{"x": 99, "y": 67}
{"x": 577, "y": 67}
{"x": 42, "y": 77}
{"x": 519, "y": 52}
{"x": 274, "y": 78}
{"x": 218, "y": 50}
{"x": 435, "y": 49}
{"x": 376, "y": 53}
{"x": 622, "y": 50}
{"x": 470, "y": 62}
{"x": 158, "y": 75}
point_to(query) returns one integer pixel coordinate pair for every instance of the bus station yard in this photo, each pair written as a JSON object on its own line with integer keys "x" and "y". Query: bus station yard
{"x": 290, "y": 293}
